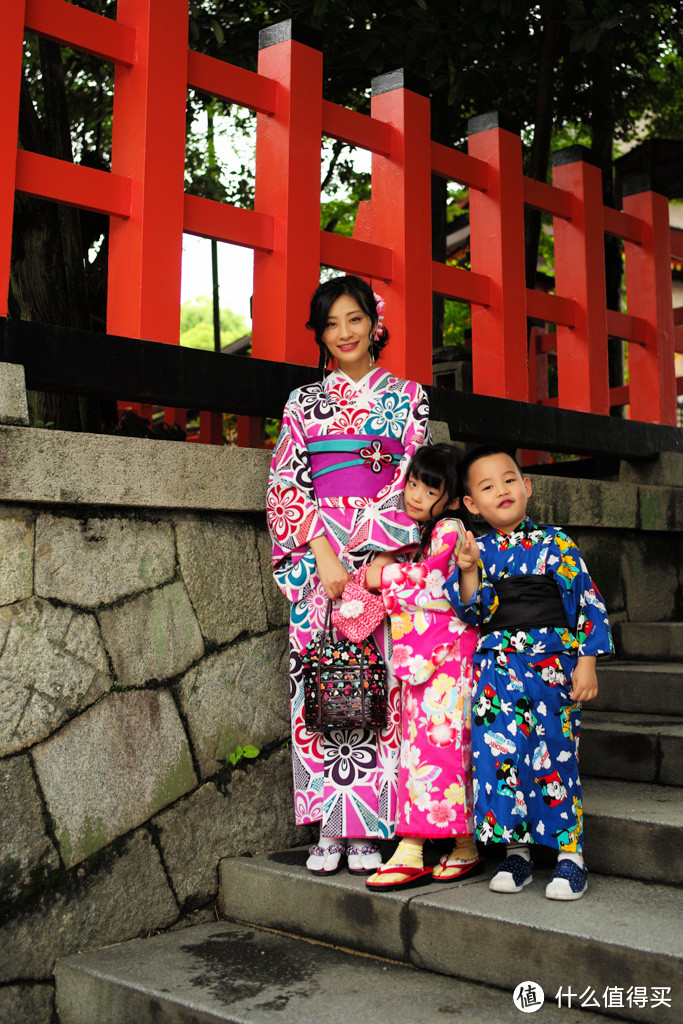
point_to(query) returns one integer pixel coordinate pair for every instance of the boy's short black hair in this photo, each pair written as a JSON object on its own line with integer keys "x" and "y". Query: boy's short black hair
{"x": 482, "y": 451}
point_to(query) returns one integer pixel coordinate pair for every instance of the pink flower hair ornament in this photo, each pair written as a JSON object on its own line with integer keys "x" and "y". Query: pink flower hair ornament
{"x": 380, "y": 329}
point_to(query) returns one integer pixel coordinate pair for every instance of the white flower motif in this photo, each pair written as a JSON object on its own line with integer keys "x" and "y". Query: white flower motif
{"x": 351, "y": 609}
{"x": 435, "y": 581}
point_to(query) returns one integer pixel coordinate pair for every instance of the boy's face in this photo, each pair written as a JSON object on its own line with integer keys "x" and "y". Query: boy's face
{"x": 498, "y": 492}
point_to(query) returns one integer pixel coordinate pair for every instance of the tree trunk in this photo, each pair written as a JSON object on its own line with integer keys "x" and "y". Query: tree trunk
{"x": 539, "y": 156}
{"x": 48, "y": 282}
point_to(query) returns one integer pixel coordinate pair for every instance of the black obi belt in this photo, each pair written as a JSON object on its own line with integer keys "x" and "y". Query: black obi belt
{"x": 526, "y": 602}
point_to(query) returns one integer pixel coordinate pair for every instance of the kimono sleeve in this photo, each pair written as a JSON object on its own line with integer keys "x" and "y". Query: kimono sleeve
{"x": 409, "y": 587}
{"x": 291, "y": 507}
{"x": 484, "y": 601}
{"x": 582, "y": 601}
{"x": 383, "y": 525}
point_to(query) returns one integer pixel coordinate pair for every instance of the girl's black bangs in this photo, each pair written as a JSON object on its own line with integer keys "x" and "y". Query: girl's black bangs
{"x": 429, "y": 477}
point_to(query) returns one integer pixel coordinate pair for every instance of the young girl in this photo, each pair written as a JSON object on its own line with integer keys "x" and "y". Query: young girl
{"x": 432, "y": 656}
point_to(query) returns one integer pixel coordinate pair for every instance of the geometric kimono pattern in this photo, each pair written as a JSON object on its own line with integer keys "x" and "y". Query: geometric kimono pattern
{"x": 344, "y": 779}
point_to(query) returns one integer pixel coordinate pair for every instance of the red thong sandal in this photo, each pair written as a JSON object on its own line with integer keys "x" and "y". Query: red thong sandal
{"x": 409, "y": 877}
{"x": 454, "y": 872}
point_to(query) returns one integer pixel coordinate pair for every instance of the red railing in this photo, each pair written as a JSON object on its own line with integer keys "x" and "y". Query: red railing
{"x": 149, "y": 210}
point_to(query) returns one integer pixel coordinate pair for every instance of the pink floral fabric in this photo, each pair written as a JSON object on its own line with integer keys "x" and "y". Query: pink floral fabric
{"x": 432, "y": 656}
{"x": 346, "y": 779}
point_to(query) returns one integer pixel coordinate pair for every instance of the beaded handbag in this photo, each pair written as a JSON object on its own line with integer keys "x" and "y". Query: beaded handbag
{"x": 360, "y": 611}
{"x": 345, "y": 683}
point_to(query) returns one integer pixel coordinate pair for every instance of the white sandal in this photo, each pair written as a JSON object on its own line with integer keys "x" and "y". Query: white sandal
{"x": 325, "y": 860}
{"x": 362, "y": 857}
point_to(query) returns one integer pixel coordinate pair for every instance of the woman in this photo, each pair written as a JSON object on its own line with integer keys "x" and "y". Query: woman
{"x": 335, "y": 499}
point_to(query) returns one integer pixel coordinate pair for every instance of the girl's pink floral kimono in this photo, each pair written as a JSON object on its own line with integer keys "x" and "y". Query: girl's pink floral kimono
{"x": 433, "y": 659}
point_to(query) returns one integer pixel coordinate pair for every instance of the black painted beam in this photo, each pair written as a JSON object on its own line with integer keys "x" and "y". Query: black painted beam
{"x": 107, "y": 366}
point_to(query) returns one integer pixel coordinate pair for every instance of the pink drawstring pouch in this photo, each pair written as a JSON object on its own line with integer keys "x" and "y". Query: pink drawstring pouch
{"x": 360, "y": 612}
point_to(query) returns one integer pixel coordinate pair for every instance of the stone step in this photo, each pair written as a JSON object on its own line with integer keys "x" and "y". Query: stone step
{"x": 642, "y": 748}
{"x": 235, "y": 973}
{"x": 634, "y": 829}
{"x": 643, "y": 687}
{"x": 623, "y": 933}
{"x": 649, "y": 641}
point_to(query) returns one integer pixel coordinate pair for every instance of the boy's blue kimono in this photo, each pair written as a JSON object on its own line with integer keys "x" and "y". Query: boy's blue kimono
{"x": 525, "y": 726}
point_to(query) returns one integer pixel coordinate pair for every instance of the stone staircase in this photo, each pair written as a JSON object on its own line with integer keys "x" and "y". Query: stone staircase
{"x": 616, "y": 952}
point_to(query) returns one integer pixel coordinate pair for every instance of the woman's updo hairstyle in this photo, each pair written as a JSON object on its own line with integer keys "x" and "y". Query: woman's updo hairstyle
{"x": 324, "y": 298}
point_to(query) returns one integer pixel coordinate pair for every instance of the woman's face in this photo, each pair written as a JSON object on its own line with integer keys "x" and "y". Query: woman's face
{"x": 347, "y": 336}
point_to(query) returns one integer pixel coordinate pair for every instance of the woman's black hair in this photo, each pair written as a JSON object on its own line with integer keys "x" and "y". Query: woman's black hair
{"x": 326, "y": 295}
{"x": 436, "y": 466}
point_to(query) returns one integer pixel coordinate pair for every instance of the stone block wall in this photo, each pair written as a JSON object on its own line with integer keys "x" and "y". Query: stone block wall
{"x": 138, "y": 650}
{"x": 142, "y": 641}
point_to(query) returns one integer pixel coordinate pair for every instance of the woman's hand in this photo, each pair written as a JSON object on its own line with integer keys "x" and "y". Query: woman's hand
{"x": 584, "y": 679}
{"x": 373, "y": 574}
{"x": 332, "y": 574}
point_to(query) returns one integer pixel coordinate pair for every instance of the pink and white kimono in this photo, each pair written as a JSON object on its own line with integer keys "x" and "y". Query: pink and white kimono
{"x": 338, "y": 470}
{"x": 432, "y": 656}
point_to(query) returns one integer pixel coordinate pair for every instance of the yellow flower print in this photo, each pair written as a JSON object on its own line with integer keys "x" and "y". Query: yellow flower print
{"x": 441, "y": 683}
{"x": 455, "y": 794}
{"x": 400, "y": 625}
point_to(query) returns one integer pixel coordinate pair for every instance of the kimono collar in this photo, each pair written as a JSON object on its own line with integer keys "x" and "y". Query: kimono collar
{"x": 526, "y": 532}
{"x": 369, "y": 382}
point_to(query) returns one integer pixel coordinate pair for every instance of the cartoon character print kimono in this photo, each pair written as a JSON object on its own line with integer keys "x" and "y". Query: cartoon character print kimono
{"x": 525, "y": 726}
{"x": 338, "y": 470}
{"x": 433, "y": 659}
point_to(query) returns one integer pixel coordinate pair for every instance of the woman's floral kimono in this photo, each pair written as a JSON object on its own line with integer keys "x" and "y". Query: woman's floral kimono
{"x": 433, "y": 659}
{"x": 339, "y": 470}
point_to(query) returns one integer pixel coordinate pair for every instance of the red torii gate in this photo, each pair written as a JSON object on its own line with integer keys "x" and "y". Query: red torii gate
{"x": 144, "y": 196}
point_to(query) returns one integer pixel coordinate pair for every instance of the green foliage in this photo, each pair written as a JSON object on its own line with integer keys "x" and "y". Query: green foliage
{"x": 247, "y": 751}
{"x": 196, "y": 324}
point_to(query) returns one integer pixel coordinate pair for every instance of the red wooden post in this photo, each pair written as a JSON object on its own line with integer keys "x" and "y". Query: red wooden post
{"x": 288, "y": 189}
{"x": 11, "y": 56}
{"x": 148, "y": 145}
{"x": 582, "y": 364}
{"x": 499, "y": 332}
{"x": 401, "y": 220}
{"x": 211, "y": 427}
{"x": 652, "y": 373}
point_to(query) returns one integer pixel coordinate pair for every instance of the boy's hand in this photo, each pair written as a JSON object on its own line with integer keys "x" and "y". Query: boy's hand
{"x": 468, "y": 556}
{"x": 584, "y": 680}
{"x": 373, "y": 575}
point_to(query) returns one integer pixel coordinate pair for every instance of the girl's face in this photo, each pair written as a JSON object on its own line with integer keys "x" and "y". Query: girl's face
{"x": 347, "y": 336}
{"x": 424, "y": 503}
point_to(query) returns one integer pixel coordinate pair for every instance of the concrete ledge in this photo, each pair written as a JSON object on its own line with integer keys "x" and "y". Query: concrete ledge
{"x": 648, "y": 687}
{"x": 623, "y": 933}
{"x": 651, "y": 816}
{"x": 255, "y": 976}
{"x": 13, "y": 404}
{"x": 632, "y": 747}
{"x": 59, "y": 467}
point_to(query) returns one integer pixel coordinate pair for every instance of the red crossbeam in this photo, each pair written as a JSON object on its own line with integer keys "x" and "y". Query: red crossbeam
{"x": 144, "y": 196}
{"x": 83, "y": 30}
{"x": 64, "y": 182}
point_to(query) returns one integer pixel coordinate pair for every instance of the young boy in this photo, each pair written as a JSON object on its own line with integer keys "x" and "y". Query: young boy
{"x": 542, "y": 623}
